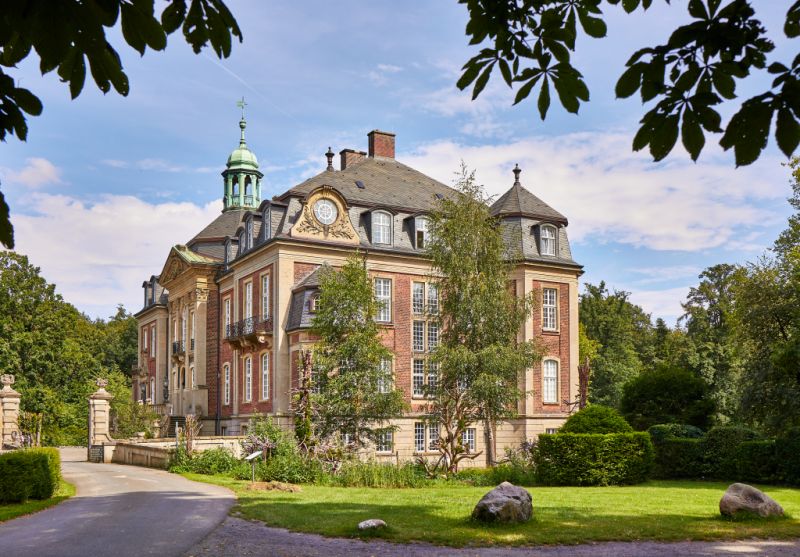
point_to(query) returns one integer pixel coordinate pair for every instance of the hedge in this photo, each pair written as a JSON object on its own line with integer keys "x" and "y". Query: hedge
{"x": 29, "y": 474}
{"x": 679, "y": 457}
{"x": 787, "y": 451}
{"x": 755, "y": 462}
{"x": 593, "y": 459}
{"x": 662, "y": 432}
{"x": 596, "y": 418}
{"x": 721, "y": 444}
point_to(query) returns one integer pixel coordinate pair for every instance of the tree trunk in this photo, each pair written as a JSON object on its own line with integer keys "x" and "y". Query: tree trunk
{"x": 488, "y": 428}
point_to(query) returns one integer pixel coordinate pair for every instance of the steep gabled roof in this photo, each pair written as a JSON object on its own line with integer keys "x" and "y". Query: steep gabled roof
{"x": 386, "y": 183}
{"x": 224, "y": 225}
{"x": 520, "y": 202}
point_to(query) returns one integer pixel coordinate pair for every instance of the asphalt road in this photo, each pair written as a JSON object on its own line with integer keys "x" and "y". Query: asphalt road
{"x": 118, "y": 511}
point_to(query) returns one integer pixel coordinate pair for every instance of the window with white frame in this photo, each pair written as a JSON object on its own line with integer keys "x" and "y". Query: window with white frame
{"x": 193, "y": 321}
{"x": 265, "y": 296}
{"x": 420, "y": 232}
{"x": 249, "y": 232}
{"x": 418, "y": 336}
{"x": 381, "y": 227}
{"x": 433, "y": 437}
{"x": 385, "y": 380}
{"x": 227, "y": 316}
{"x": 152, "y": 390}
{"x": 153, "y": 341}
{"x": 265, "y": 376}
{"x": 145, "y": 336}
{"x": 433, "y": 299}
{"x": 418, "y": 298}
{"x": 266, "y": 223}
{"x": 226, "y": 384}
{"x": 383, "y": 295}
{"x": 419, "y": 437}
{"x": 248, "y": 300}
{"x": 551, "y": 430}
{"x": 426, "y": 437}
{"x": 433, "y": 375}
{"x": 550, "y": 381}
{"x": 248, "y": 379}
{"x": 418, "y": 378}
{"x": 468, "y": 439}
{"x": 549, "y": 309}
{"x": 184, "y": 325}
{"x": 385, "y": 442}
{"x": 242, "y": 242}
{"x": 548, "y": 240}
{"x": 433, "y": 336}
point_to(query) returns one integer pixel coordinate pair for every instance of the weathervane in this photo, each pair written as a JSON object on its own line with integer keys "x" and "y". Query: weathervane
{"x": 241, "y": 104}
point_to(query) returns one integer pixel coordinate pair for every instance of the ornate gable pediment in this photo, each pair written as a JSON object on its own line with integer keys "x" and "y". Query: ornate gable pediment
{"x": 309, "y": 224}
{"x": 173, "y": 268}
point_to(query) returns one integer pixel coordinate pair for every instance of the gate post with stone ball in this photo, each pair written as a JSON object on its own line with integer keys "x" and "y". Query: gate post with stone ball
{"x": 9, "y": 414}
{"x": 99, "y": 421}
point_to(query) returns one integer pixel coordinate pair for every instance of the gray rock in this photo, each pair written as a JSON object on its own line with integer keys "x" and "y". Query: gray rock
{"x": 505, "y": 504}
{"x": 371, "y": 524}
{"x": 742, "y": 497}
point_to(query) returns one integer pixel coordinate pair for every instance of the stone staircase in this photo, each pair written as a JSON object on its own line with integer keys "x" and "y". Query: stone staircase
{"x": 174, "y": 423}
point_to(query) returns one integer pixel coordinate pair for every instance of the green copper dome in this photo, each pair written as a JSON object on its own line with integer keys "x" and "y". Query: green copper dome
{"x": 242, "y": 157}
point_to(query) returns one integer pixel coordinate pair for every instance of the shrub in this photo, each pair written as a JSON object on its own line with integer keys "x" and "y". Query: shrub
{"x": 213, "y": 461}
{"x": 721, "y": 444}
{"x": 374, "y": 474}
{"x": 596, "y": 418}
{"x": 666, "y": 395}
{"x": 661, "y": 432}
{"x": 292, "y": 468}
{"x": 490, "y": 477}
{"x": 593, "y": 459}
{"x": 756, "y": 462}
{"x": 787, "y": 449}
{"x": 29, "y": 474}
{"x": 678, "y": 457}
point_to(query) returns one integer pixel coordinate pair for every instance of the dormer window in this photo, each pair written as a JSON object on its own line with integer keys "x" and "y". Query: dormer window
{"x": 249, "y": 233}
{"x": 547, "y": 240}
{"x": 266, "y": 223}
{"x": 420, "y": 232}
{"x": 228, "y": 251}
{"x": 381, "y": 227}
{"x": 242, "y": 244}
{"x": 313, "y": 304}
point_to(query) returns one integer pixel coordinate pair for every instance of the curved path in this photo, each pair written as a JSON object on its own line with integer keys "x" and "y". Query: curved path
{"x": 119, "y": 511}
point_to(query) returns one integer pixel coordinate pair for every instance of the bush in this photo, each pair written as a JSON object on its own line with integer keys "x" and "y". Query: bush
{"x": 374, "y": 474}
{"x": 756, "y": 462}
{"x": 596, "y": 418}
{"x": 293, "y": 469}
{"x": 666, "y": 395}
{"x": 213, "y": 461}
{"x": 593, "y": 459}
{"x": 721, "y": 444}
{"x": 29, "y": 474}
{"x": 787, "y": 449}
{"x": 662, "y": 432}
{"x": 678, "y": 457}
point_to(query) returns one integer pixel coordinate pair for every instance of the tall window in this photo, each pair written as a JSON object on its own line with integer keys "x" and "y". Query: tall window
{"x": 418, "y": 298}
{"x": 248, "y": 379}
{"x": 152, "y": 390}
{"x": 265, "y": 296}
{"x": 468, "y": 439}
{"x": 248, "y": 300}
{"x": 228, "y": 251}
{"x": 381, "y": 228}
{"x": 227, "y": 384}
{"x": 549, "y": 309}
{"x": 227, "y": 316}
{"x": 193, "y": 384}
{"x": 426, "y": 437}
{"x": 153, "y": 341}
{"x": 184, "y": 325}
{"x": 433, "y": 437}
{"x": 192, "y": 336}
{"x": 249, "y": 233}
{"x": 550, "y": 381}
{"x": 433, "y": 336}
{"x": 433, "y": 298}
{"x": 418, "y": 336}
{"x": 385, "y": 380}
{"x": 420, "y": 232}
{"x": 548, "y": 240}
{"x": 144, "y": 339}
{"x": 383, "y": 294}
{"x": 265, "y": 376}
{"x": 418, "y": 378}
{"x": 419, "y": 437}
{"x": 266, "y": 223}
{"x": 433, "y": 375}
{"x": 385, "y": 441}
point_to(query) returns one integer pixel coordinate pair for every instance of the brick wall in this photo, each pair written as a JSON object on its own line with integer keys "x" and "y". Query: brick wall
{"x": 213, "y": 349}
{"x": 556, "y": 344}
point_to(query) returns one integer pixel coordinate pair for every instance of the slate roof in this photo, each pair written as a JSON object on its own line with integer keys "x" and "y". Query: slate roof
{"x": 520, "y": 202}
{"x": 387, "y": 183}
{"x": 224, "y": 225}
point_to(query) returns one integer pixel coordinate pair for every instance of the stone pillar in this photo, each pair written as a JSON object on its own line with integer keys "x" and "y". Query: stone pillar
{"x": 100, "y": 415}
{"x": 9, "y": 413}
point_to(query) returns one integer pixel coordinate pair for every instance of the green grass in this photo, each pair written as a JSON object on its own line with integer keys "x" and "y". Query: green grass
{"x": 13, "y": 510}
{"x": 663, "y": 510}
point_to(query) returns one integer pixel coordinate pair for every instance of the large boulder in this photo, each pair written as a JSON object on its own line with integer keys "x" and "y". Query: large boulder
{"x": 372, "y": 524}
{"x": 745, "y": 498}
{"x": 504, "y": 504}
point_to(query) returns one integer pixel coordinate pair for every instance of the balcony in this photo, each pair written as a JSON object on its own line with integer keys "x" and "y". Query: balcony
{"x": 250, "y": 332}
{"x": 178, "y": 350}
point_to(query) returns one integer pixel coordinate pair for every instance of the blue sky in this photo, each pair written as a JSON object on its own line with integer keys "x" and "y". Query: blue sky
{"x": 105, "y": 184}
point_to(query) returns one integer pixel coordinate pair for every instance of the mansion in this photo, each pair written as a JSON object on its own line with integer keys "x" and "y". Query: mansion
{"x": 224, "y": 322}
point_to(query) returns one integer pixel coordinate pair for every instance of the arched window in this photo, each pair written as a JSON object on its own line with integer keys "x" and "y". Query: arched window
{"x": 228, "y": 251}
{"x": 226, "y": 396}
{"x": 249, "y": 232}
{"x": 381, "y": 227}
{"x": 548, "y": 240}
{"x": 242, "y": 243}
{"x": 550, "y": 382}
{"x": 235, "y": 187}
{"x": 248, "y": 186}
{"x": 248, "y": 379}
{"x": 183, "y": 378}
{"x": 266, "y": 223}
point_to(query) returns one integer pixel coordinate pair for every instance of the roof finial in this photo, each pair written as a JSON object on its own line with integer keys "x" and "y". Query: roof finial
{"x": 242, "y": 123}
{"x": 329, "y": 154}
{"x": 517, "y": 170}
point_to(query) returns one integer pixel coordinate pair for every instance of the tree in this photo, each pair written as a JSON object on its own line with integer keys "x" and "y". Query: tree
{"x": 355, "y": 389}
{"x": 667, "y": 395}
{"x": 479, "y": 358}
{"x": 68, "y": 36}
{"x": 587, "y": 352}
{"x": 689, "y": 77}
{"x": 623, "y": 331}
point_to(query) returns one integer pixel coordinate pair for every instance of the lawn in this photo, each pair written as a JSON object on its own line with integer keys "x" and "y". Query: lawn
{"x": 657, "y": 510}
{"x": 13, "y": 510}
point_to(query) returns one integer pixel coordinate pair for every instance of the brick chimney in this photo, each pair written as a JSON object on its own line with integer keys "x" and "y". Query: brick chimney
{"x": 381, "y": 144}
{"x": 348, "y": 157}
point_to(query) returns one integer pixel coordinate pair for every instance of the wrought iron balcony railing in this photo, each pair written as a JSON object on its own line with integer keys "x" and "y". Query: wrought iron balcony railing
{"x": 178, "y": 347}
{"x": 252, "y": 325}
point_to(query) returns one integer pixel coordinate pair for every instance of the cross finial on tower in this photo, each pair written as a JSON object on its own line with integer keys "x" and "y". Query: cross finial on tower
{"x": 241, "y": 104}
{"x": 517, "y": 171}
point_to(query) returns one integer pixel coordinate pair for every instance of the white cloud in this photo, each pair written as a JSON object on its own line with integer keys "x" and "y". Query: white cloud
{"x": 611, "y": 194}
{"x": 156, "y": 165}
{"x": 662, "y": 303}
{"x": 380, "y": 75}
{"x": 665, "y": 274}
{"x": 479, "y": 117}
{"x": 98, "y": 254}
{"x": 36, "y": 173}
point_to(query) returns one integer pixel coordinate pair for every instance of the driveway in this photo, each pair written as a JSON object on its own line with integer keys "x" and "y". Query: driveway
{"x": 118, "y": 511}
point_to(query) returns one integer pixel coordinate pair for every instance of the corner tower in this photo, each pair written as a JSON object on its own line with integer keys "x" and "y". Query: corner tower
{"x": 241, "y": 174}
